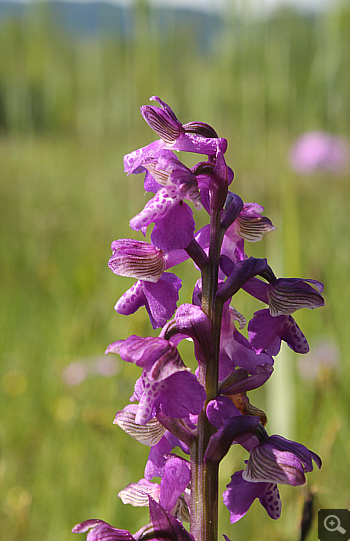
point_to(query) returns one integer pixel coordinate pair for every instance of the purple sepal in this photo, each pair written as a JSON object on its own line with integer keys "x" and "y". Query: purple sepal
{"x": 233, "y": 207}
{"x": 136, "y": 259}
{"x": 247, "y": 382}
{"x": 286, "y": 295}
{"x": 240, "y": 494}
{"x": 237, "y": 428}
{"x": 236, "y": 351}
{"x": 191, "y": 321}
{"x": 102, "y": 531}
{"x": 301, "y": 452}
{"x": 266, "y": 332}
{"x": 166, "y": 527}
{"x": 282, "y": 461}
{"x": 240, "y": 273}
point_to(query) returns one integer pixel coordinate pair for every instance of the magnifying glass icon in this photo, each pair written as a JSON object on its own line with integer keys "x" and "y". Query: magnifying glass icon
{"x": 332, "y": 524}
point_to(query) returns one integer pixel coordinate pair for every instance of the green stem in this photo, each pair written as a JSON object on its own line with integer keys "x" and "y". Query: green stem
{"x": 204, "y": 475}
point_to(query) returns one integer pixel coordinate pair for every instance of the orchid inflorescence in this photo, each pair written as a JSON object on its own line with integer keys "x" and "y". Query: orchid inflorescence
{"x": 207, "y": 412}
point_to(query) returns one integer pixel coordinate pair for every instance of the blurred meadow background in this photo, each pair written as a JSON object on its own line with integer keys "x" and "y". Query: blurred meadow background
{"x": 71, "y": 84}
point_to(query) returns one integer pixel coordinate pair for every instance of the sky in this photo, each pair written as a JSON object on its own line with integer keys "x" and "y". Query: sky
{"x": 258, "y": 6}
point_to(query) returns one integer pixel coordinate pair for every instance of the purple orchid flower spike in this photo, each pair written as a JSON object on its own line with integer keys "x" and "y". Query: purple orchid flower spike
{"x": 166, "y": 384}
{"x": 206, "y": 413}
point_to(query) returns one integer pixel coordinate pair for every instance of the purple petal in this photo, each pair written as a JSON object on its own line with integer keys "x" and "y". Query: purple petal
{"x": 182, "y": 394}
{"x": 161, "y": 298}
{"x": 157, "y": 208}
{"x": 303, "y": 453}
{"x": 239, "y": 495}
{"x": 236, "y": 351}
{"x": 132, "y": 300}
{"x": 135, "y": 159}
{"x": 176, "y": 477}
{"x": 158, "y": 357}
{"x": 137, "y": 259}
{"x": 164, "y": 522}
{"x": 156, "y": 459}
{"x": 176, "y": 231}
{"x": 102, "y": 531}
{"x": 219, "y": 409}
{"x": 190, "y": 321}
{"x": 191, "y": 142}
{"x": 150, "y": 184}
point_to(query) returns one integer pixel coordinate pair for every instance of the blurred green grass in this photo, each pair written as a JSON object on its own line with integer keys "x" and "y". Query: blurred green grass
{"x": 69, "y": 110}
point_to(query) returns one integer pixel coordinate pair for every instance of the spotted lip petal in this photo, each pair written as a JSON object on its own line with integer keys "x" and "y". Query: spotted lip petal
{"x": 159, "y": 298}
{"x": 266, "y": 332}
{"x": 240, "y": 494}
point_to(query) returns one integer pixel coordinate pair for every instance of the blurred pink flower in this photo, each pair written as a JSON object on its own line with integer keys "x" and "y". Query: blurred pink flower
{"x": 322, "y": 359}
{"x": 317, "y": 151}
{"x": 77, "y": 371}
